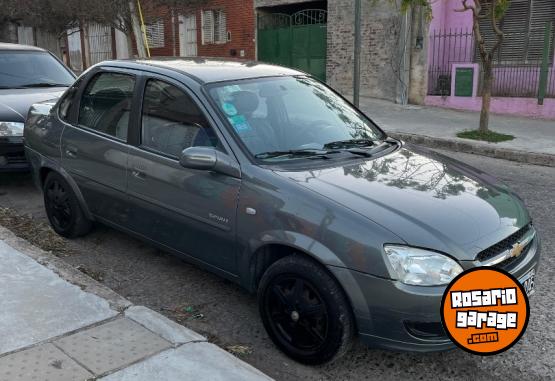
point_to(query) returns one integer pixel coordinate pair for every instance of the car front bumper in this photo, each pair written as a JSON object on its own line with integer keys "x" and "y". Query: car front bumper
{"x": 395, "y": 316}
{"x": 12, "y": 155}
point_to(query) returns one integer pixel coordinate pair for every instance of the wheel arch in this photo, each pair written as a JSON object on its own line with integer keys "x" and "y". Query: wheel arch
{"x": 47, "y": 168}
{"x": 274, "y": 245}
{"x": 271, "y": 250}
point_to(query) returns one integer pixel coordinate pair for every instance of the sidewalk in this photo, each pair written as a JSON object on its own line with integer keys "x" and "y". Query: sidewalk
{"x": 58, "y": 324}
{"x": 534, "y": 141}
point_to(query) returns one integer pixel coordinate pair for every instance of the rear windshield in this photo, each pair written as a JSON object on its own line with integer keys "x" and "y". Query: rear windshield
{"x": 22, "y": 69}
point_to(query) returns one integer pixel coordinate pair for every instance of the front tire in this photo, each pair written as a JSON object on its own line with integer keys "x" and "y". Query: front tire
{"x": 305, "y": 311}
{"x": 63, "y": 209}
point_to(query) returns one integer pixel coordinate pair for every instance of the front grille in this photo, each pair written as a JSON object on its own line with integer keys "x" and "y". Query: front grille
{"x": 513, "y": 261}
{"x": 503, "y": 245}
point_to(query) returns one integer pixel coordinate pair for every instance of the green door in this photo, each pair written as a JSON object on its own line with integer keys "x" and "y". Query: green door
{"x": 274, "y": 46}
{"x": 298, "y": 41}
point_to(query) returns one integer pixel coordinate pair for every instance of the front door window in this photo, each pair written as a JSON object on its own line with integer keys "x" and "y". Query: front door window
{"x": 172, "y": 122}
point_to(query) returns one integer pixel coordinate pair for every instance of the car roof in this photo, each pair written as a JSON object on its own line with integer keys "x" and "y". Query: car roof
{"x": 8, "y": 46}
{"x": 205, "y": 70}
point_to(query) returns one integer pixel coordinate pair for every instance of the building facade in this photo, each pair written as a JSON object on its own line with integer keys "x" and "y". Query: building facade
{"x": 403, "y": 59}
{"x": 524, "y": 73}
{"x": 318, "y": 37}
{"x": 214, "y": 28}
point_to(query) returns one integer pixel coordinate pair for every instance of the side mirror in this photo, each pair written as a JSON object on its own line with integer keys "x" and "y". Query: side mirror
{"x": 209, "y": 159}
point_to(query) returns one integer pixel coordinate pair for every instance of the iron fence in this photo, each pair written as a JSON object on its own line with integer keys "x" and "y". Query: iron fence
{"x": 512, "y": 78}
{"x": 100, "y": 43}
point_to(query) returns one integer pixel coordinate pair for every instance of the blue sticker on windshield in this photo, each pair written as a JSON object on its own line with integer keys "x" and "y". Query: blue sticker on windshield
{"x": 229, "y": 109}
{"x": 239, "y": 123}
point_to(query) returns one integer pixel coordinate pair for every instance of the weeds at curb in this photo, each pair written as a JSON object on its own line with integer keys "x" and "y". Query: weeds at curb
{"x": 96, "y": 275}
{"x": 37, "y": 233}
{"x": 239, "y": 350}
{"x": 489, "y": 136}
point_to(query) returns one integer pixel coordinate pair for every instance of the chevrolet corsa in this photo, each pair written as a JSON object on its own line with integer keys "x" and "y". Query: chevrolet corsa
{"x": 269, "y": 178}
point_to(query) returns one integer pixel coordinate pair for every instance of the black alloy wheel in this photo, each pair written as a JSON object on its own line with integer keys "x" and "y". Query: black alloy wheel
{"x": 297, "y": 313}
{"x": 58, "y": 205}
{"x": 62, "y": 208}
{"x": 305, "y": 311}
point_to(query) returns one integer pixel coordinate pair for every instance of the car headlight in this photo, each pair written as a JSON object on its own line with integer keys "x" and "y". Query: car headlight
{"x": 11, "y": 129}
{"x": 420, "y": 267}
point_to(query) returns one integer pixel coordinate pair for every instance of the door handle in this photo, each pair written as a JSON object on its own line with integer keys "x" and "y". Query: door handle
{"x": 71, "y": 151}
{"x": 138, "y": 174}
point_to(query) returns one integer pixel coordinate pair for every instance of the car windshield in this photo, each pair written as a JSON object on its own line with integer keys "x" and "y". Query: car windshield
{"x": 21, "y": 69}
{"x": 278, "y": 117}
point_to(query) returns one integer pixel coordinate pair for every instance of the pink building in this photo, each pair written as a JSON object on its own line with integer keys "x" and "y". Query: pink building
{"x": 454, "y": 74}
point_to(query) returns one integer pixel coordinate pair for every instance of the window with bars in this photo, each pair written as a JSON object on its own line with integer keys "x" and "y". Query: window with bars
{"x": 214, "y": 27}
{"x": 524, "y": 26}
{"x": 155, "y": 34}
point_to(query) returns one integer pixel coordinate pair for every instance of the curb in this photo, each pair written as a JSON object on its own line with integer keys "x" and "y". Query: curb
{"x": 456, "y": 145}
{"x": 65, "y": 271}
{"x": 181, "y": 341}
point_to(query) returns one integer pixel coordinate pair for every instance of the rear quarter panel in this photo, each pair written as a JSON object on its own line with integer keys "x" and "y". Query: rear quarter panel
{"x": 43, "y": 130}
{"x": 42, "y": 135}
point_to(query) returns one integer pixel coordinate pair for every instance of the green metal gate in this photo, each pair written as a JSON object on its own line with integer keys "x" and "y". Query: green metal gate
{"x": 298, "y": 40}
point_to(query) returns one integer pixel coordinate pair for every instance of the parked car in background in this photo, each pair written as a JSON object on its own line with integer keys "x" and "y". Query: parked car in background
{"x": 269, "y": 178}
{"x": 27, "y": 75}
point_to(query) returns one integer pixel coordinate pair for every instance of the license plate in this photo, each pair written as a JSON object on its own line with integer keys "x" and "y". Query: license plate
{"x": 527, "y": 282}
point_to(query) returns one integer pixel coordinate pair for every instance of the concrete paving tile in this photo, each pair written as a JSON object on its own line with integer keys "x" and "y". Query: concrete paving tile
{"x": 193, "y": 361}
{"x": 112, "y": 345}
{"x": 36, "y": 304}
{"x": 42, "y": 363}
{"x": 161, "y": 325}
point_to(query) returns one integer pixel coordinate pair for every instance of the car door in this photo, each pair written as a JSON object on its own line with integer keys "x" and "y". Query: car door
{"x": 94, "y": 145}
{"x": 191, "y": 211}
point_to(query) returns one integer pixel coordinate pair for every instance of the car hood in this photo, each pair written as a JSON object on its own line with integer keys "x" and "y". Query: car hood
{"x": 425, "y": 198}
{"x": 15, "y": 103}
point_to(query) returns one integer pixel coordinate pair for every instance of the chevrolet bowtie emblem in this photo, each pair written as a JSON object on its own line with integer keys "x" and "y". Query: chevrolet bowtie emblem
{"x": 516, "y": 250}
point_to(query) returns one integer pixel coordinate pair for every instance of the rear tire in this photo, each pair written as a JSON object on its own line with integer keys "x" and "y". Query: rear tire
{"x": 62, "y": 208}
{"x": 305, "y": 311}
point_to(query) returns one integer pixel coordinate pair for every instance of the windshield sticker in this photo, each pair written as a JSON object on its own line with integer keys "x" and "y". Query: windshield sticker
{"x": 240, "y": 124}
{"x": 231, "y": 89}
{"x": 229, "y": 109}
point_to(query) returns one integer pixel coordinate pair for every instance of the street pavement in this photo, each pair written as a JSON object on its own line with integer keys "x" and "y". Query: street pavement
{"x": 532, "y": 135}
{"x": 228, "y": 316}
{"x": 52, "y": 329}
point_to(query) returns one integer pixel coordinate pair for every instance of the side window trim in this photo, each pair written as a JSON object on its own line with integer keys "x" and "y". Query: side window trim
{"x": 138, "y": 129}
{"x": 69, "y": 118}
{"x": 74, "y": 118}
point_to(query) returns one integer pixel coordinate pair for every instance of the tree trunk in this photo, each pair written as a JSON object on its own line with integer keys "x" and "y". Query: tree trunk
{"x": 129, "y": 44}
{"x": 486, "y": 96}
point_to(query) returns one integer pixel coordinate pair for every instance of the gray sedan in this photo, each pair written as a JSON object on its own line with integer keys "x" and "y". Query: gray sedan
{"x": 269, "y": 178}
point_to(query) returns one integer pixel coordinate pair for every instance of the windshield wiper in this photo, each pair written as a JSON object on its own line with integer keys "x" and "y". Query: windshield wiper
{"x": 359, "y": 151}
{"x": 43, "y": 84}
{"x": 308, "y": 153}
{"x": 360, "y": 147}
{"x": 349, "y": 143}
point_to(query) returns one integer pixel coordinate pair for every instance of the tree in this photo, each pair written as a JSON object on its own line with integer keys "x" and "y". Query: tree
{"x": 60, "y": 15}
{"x": 495, "y": 13}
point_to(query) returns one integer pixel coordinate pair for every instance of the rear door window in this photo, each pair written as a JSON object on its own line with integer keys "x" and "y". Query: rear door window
{"x": 106, "y": 104}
